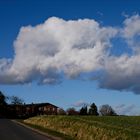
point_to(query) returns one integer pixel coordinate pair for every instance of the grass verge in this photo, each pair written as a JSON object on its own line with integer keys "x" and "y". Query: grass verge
{"x": 55, "y": 135}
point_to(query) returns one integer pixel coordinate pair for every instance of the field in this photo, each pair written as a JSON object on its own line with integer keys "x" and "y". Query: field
{"x": 90, "y": 127}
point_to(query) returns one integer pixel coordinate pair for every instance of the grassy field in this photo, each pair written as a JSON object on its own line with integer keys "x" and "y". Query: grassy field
{"x": 90, "y": 127}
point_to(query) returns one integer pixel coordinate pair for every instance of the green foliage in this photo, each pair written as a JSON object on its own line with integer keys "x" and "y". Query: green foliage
{"x": 93, "y": 110}
{"x": 3, "y": 105}
{"x": 91, "y": 127}
{"x": 83, "y": 110}
{"x": 2, "y": 99}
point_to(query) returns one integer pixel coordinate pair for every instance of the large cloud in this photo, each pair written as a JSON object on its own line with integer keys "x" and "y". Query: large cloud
{"x": 59, "y": 48}
{"x": 123, "y": 72}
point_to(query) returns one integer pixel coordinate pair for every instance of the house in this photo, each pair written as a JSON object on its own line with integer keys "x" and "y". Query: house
{"x": 47, "y": 108}
{"x": 29, "y": 110}
{"x": 41, "y": 109}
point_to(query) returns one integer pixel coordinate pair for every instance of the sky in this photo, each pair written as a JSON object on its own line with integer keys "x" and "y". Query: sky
{"x": 71, "y": 53}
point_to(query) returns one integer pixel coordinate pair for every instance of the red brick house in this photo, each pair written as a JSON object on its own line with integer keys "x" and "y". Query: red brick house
{"x": 41, "y": 109}
{"x": 29, "y": 110}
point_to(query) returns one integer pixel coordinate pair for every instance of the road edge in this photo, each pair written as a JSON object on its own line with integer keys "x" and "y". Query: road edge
{"x": 37, "y": 131}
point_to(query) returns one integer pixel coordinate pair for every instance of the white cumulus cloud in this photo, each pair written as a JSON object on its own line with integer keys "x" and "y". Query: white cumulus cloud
{"x": 123, "y": 72}
{"x": 57, "y": 46}
{"x": 61, "y": 48}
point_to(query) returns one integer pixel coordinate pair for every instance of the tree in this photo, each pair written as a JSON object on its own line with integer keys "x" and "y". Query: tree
{"x": 3, "y": 105}
{"x": 83, "y": 110}
{"x": 93, "y": 110}
{"x": 107, "y": 110}
{"x": 61, "y": 111}
{"x": 72, "y": 111}
{"x": 2, "y": 99}
{"x": 16, "y": 100}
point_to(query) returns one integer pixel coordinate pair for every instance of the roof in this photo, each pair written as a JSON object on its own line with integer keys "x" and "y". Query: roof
{"x": 41, "y": 104}
{"x": 35, "y": 104}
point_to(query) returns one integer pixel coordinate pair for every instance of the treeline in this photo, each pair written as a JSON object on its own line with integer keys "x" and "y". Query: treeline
{"x": 7, "y": 105}
{"x": 104, "y": 110}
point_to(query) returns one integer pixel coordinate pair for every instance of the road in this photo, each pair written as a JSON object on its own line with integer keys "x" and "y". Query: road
{"x": 12, "y": 131}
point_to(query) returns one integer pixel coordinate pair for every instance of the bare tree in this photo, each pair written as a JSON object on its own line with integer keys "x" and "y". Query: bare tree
{"x": 107, "y": 110}
{"x": 16, "y": 100}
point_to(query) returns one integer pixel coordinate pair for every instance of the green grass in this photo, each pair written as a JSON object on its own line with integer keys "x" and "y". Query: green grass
{"x": 90, "y": 127}
{"x": 49, "y": 131}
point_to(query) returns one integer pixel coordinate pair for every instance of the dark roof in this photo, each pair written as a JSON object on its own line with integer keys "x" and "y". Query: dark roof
{"x": 35, "y": 104}
{"x": 41, "y": 104}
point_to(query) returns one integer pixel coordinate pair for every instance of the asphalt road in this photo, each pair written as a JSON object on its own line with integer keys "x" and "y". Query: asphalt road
{"x": 12, "y": 131}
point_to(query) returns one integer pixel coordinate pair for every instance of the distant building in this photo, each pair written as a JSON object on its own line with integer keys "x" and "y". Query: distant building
{"x": 41, "y": 109}
{"x": 29, "y": 110}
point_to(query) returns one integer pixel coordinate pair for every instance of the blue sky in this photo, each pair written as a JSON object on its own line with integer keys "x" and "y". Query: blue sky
{"x": 15, "y": 14}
